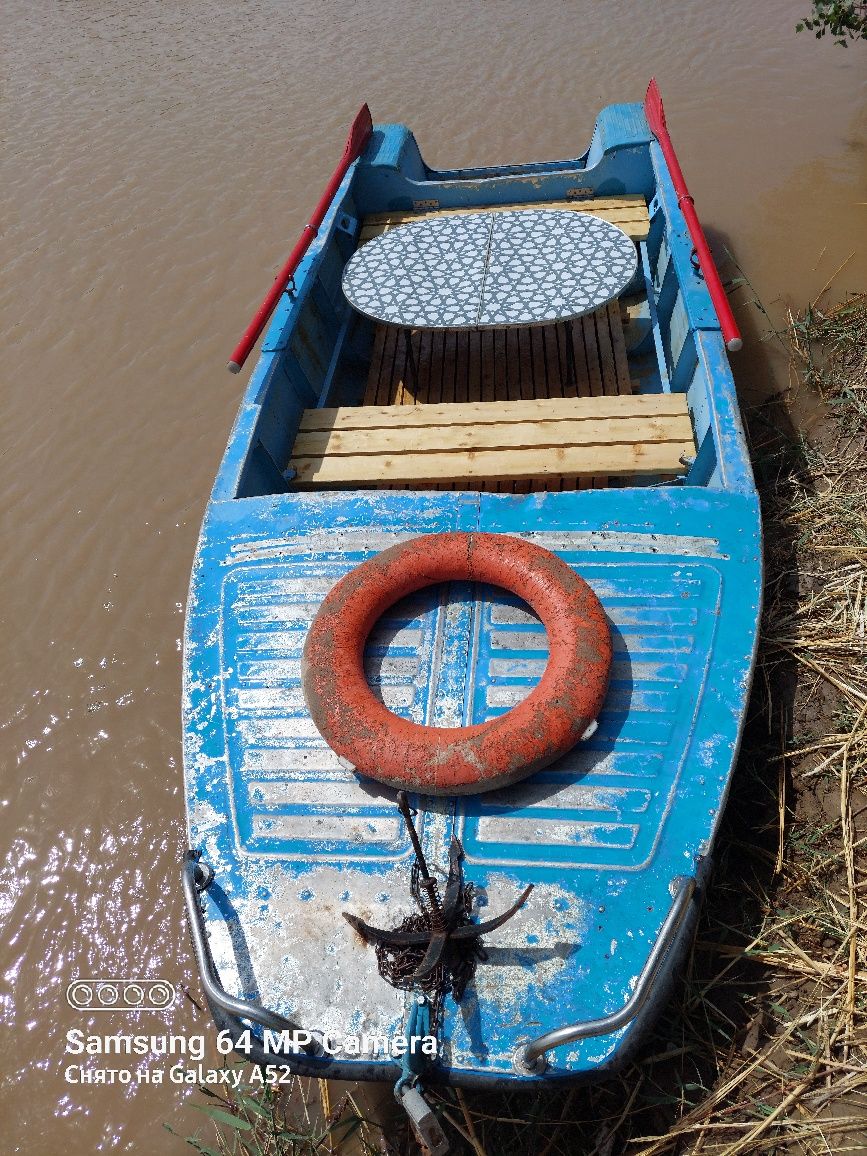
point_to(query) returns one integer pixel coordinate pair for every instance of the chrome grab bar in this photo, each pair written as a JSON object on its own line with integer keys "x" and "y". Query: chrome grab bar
{"x": 529, "y": 1058}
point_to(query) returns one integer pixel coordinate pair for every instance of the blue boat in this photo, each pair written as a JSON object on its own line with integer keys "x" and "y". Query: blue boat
{"x": 659, "y": 517}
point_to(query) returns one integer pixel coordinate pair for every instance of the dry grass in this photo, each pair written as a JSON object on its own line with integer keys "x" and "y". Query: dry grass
{"x": 765, "y": 1048}
{"x": 830, "y": 351}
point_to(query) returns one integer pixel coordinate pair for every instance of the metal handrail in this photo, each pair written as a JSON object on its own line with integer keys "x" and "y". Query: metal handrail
{"x": 195, "y": 880}
{"x": 529, "y": 1058}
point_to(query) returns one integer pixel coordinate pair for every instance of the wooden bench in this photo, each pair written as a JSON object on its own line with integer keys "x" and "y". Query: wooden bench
{"x": 475, "y": 443}
{"x": 628, "y": 211}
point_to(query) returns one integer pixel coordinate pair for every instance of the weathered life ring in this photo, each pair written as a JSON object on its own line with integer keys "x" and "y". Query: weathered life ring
{"x": 463, "y": 760}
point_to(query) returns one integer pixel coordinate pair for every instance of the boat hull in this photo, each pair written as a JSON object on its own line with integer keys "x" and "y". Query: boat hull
{"x": 295, "y": 839}
{"x": 609, "y": 833}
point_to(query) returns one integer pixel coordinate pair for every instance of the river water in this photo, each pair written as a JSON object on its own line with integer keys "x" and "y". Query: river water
{"x": 159, "y": 161}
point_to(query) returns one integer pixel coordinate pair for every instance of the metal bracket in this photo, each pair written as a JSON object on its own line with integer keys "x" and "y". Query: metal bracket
{"x": 427, "y": 1128}
{"x": 347, "y": 224}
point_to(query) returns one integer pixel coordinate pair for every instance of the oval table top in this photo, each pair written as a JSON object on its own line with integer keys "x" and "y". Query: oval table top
{"x": 490, "y": 270}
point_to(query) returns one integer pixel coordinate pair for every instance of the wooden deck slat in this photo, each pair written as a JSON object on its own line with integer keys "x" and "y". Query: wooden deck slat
{"x": 494, "y": 435}
{"x": 628, "y": 211}
{"x": 511, "y": 367}
{"x": 592, "y": 346}
{"x": 452, "y": 386}
{"x": 485, "y": 385}
{"x": 552, "y": 362}
{"x": 390, "y": 384}
{"x": 641, "y": 405}
{"x": 461, "y": 373}
{"x": 500, "y": 366}
{"x": 606, "y": 354}
{"x": 401, "y": 389}
{"x": 440, "y": 381}
{"x": 621, "y": 201}
{"x": 575, "y": 334}
{"x": 375, "y": 371}
{"x": 424, "y": 365}
{"x": 532, "y": 464}
{"x": 639, "y": 434}
{"x": 524, "y": 364}
{"x": 615, "y": 321}
{"x": 567, "y": 360}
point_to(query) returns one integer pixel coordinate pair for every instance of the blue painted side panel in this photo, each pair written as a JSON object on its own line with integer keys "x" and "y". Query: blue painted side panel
{"x": 618, "y": 127}
{"x": 699, "y": 306}
{"x": 393, "y": 146}
{"x": 618, "y": 162}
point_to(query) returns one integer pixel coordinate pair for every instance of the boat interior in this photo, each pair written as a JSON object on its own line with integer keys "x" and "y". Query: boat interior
{"x": 613, "y": 399}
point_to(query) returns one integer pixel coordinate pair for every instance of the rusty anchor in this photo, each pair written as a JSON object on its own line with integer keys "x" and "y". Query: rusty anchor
{"x": 448, "y": 930}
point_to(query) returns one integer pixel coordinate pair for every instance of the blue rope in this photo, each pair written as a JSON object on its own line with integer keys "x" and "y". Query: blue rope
{"x": 414, "y": 1060}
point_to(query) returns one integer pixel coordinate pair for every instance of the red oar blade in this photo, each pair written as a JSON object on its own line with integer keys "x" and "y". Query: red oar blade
{"x": 653, "y": 109}
{"x": 359, "y": 134}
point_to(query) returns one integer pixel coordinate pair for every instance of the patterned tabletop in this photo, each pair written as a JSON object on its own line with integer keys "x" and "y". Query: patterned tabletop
{"x": 490, "y": 270}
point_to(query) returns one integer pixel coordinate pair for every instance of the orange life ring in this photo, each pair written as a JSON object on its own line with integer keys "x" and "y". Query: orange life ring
{"x": 463, "y": 760}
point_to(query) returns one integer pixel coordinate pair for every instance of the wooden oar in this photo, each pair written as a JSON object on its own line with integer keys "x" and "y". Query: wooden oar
{"x": 655, "y": 114}
{"x": 356, "y": 143}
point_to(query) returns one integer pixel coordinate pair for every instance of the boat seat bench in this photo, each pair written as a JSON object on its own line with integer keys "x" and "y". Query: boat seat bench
{"x": 476, "y": 442}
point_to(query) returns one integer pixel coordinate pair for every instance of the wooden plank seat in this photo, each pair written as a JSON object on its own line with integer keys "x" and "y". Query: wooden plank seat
{"x": 628, "y": 211}
{"x": 477, "y": 442}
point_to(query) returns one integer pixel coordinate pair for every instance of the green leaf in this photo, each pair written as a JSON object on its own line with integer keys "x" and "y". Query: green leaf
{"x": 350, "y": 1123}
{"x": 210, "y": 1092}
{"x": 253, "y": 1105}
{"x": 225, "y": 1118}
{"x": 193, "y": 1141}
{"x": 205, "y": 1149}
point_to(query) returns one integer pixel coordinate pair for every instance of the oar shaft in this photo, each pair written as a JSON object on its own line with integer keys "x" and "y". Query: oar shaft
{"x": 356, "y": 143}
{"x": 656, "y": 119}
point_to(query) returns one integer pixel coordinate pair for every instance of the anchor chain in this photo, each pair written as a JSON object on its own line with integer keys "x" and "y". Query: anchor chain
{"x": 435, "y": 951}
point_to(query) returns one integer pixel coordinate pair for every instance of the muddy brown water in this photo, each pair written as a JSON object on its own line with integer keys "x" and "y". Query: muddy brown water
{"x": 158, "y": 163}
